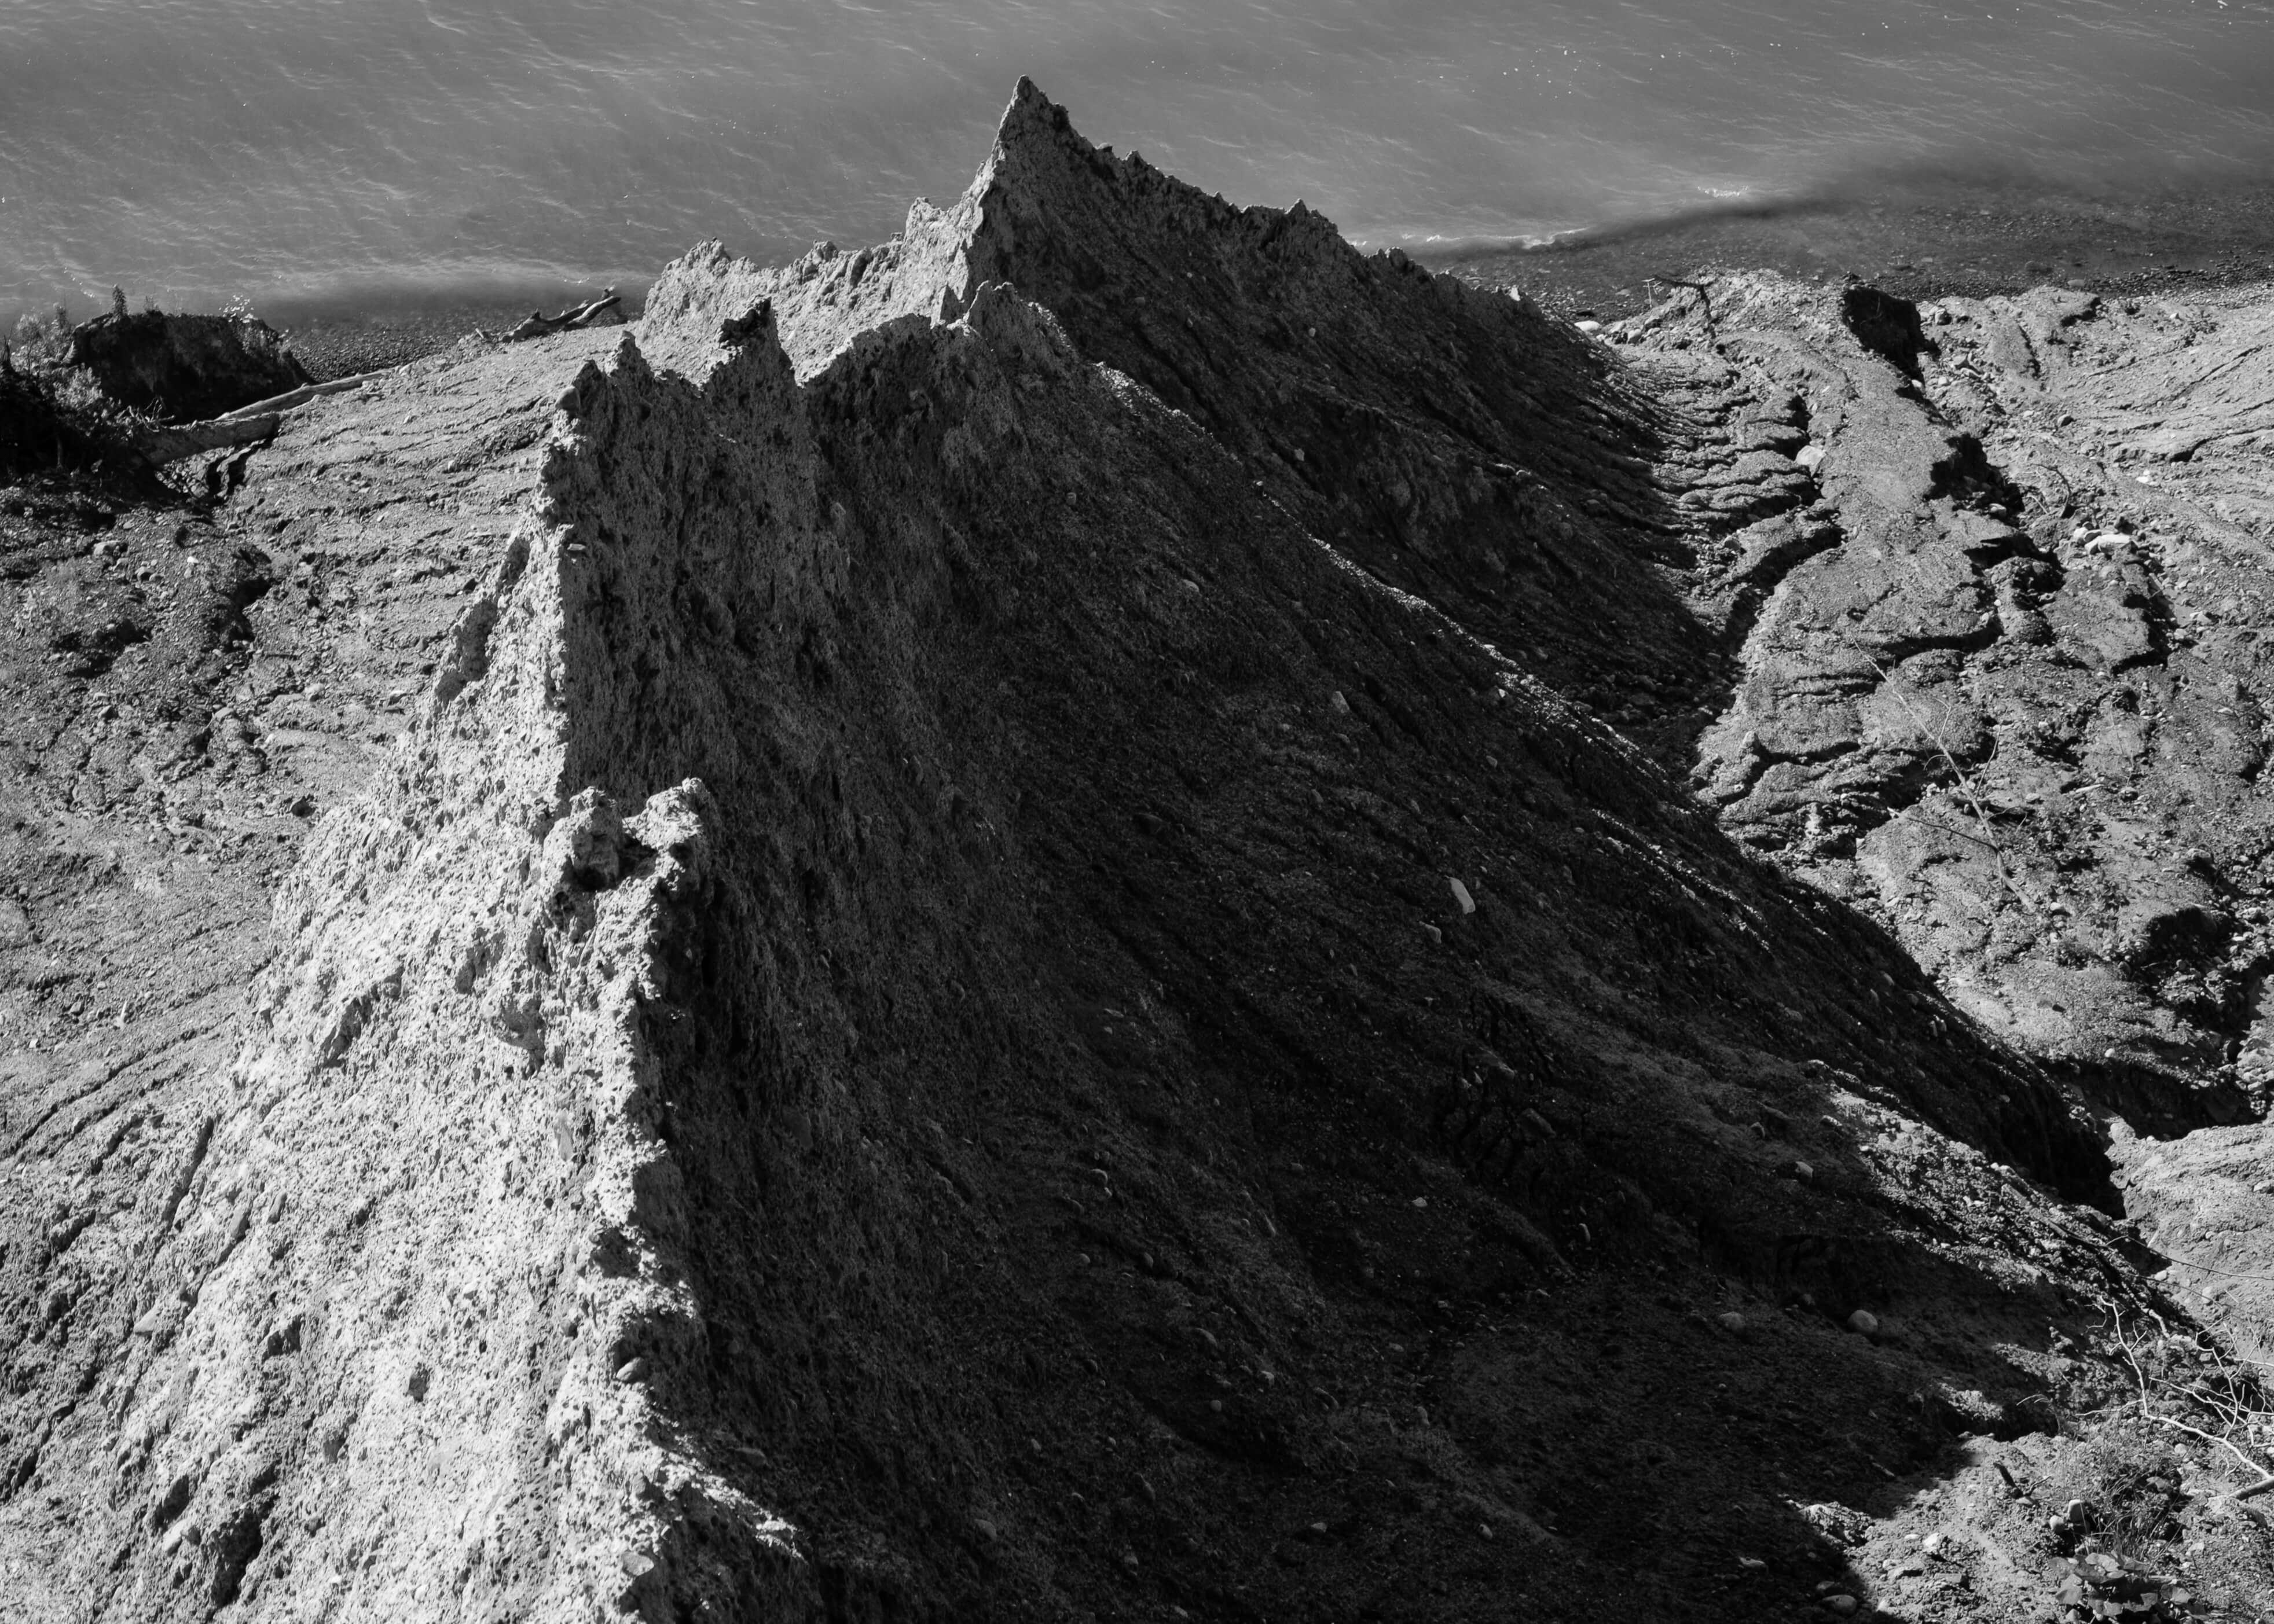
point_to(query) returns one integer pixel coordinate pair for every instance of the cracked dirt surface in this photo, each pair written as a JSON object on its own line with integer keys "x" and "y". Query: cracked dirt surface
{"x": 2005, "y": 698}
{"x": 959, "y": 932}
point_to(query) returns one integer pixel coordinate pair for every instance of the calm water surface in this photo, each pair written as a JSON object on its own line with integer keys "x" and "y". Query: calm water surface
{"x": 295, "y": 149}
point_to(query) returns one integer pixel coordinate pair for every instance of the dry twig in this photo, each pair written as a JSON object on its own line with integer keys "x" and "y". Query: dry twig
{"x": 2230, "y": 1410}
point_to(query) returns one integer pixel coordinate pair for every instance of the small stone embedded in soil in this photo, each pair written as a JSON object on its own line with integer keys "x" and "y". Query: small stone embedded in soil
{"x": 1730, "y": 1322}
{"x": 1811, "y": 457}
{"x": 1864, "y": 1323}
{"x": 1461, "y": 898}
{"x": 636, "y": 1563}
{"x": 632, "y": 1370}
{"x": 1841, "y": 1604}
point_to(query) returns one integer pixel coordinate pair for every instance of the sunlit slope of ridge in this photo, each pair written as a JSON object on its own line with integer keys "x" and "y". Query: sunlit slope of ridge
{"x": 902, "y": 1041}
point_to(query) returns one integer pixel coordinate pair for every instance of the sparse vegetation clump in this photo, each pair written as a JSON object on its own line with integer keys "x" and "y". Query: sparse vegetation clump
{"x": 2189, "y": 1415}
{"x": 53, "y": 418}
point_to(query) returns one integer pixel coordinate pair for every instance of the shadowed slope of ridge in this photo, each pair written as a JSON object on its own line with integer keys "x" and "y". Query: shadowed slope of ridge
{"x": 1456, "y": 443}
{"x": 902, "y": 1041}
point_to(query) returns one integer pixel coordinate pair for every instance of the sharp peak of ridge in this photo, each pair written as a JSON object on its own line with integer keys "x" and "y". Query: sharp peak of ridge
{"x": 1030, "y": 115}
{"x": 1040, "y": 179}
{"x": 1034, "y": 127}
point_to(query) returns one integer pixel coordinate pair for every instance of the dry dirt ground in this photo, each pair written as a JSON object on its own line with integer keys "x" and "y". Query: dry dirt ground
{"x": 1111, "y": 914}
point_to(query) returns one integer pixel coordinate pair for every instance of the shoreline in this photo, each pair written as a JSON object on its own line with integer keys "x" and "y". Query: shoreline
{"x": 1919, "y": 243}
{"x": 1973, "y": 245}
{"x": 1916, "y": 248}
{"x": 340, "y": 344}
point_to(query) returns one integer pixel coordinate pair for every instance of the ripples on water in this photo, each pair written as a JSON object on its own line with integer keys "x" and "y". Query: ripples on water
{"x": 297, "y": 149}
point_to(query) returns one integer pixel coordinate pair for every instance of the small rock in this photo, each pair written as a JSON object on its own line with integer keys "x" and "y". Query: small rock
{"x": 1341, "y": 705}
{"x": 1588, "y": 327}
{"x": 1841, "y": 1605}
{"x": 283, "y": 1336}
{"x": 636, "y": 1563}
{"x": 1935, "y": 1544}
{"x": 1730, "y": 1322}
{"x": 1434, "y": 935}
{"x": 1811, "y": 457}
{"x": 1461, "y": 896}
{"x": 1864, "y": 1323}
{"x": 632, "y": 1370}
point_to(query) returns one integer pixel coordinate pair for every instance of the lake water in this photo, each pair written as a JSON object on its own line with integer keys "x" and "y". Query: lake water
{"x": 331, "y": 150}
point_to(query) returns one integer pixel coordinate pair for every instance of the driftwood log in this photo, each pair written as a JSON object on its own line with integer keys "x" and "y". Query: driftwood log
{"x": 246, "y": 425}
{"x": 584, "y": 315}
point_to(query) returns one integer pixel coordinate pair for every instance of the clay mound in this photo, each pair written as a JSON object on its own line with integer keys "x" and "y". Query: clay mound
{"x": 949, "y": 1013}
{"x": 182, "y": 367}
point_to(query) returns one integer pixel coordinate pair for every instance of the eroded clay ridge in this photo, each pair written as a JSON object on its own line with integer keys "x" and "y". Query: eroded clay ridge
{"x": 1457, "y": 443}
{"x": 958, "y": 1005}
